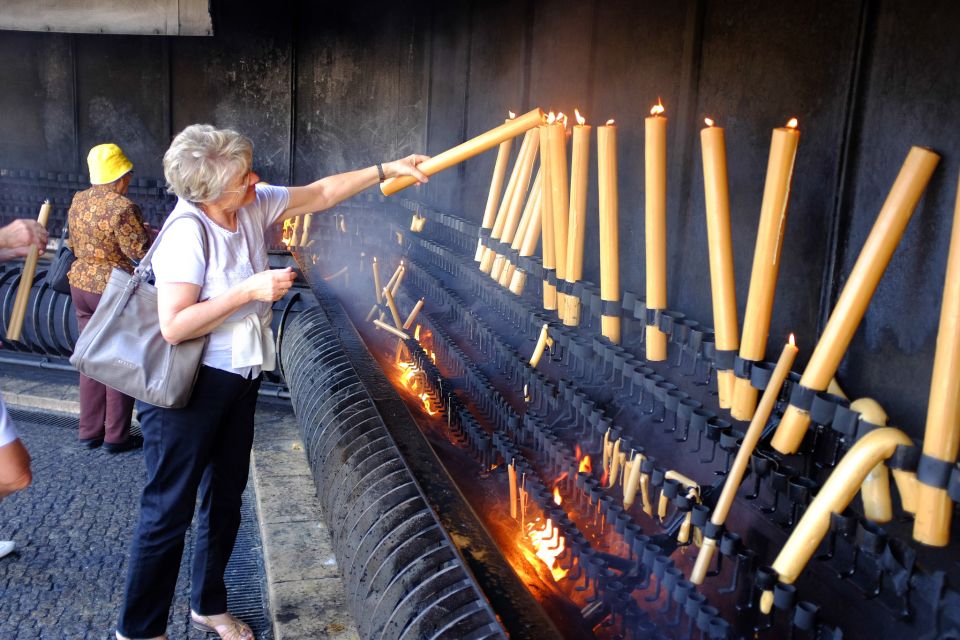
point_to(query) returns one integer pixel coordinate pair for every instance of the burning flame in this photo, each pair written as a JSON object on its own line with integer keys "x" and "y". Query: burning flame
{"x": 610, "y": 122}
{"x": 561, "y": 118}
{"x": 585, "y": 465}
{"x": 793, "y": 340}
{"x": 708, "y": 122}
{"x": 551, "y": 117}
{"x": 407, "y": 378}
{"x": 512, "y": 114}
{"x": 548, "y": 544}
{"x": 792, "y": 123}
{"x": 287, "y": 236}
{"x": 425, "y": 399}
{"x": 580, "y": 119}
{"x": 657, "y": 109}
{"x": 557, "y": 500}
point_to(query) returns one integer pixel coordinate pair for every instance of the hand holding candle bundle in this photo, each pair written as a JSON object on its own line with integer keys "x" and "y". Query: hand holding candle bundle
{"x": 15, "y": 326}
{"x": 858, "y": 290}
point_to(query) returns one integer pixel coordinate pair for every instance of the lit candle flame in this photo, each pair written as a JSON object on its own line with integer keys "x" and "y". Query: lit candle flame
{"x": 792, "y": 123}
{"x": 657, "y": 109}
{"x": 580, "y": 119}
{"x": 610, "y": 122}
{"x": 708, "y": 122}
{"x": 585, "y": 465}
{"x": 556, "y": 496}
{"x": 551, "y": 117}
{"x": 512, "y": 114}
{"x": 793, "y": 340}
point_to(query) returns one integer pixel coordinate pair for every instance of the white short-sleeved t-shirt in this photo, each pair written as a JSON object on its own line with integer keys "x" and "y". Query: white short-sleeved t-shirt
{"x": 7, "y": 433}
{"x": 234, "y": 257}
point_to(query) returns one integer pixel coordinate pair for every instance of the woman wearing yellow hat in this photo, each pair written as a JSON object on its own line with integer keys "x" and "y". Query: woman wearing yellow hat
{"x": 107, "y": 233}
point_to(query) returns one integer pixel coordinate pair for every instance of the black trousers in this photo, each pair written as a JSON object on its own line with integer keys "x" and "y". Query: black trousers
{"x": 205, "y": 445}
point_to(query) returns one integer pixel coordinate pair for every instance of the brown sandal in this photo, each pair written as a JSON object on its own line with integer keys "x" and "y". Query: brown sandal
{"x": 226, "y": 626}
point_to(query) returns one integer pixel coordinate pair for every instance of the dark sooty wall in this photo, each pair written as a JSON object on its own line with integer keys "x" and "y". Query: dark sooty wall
{"x": 323, "y": 87}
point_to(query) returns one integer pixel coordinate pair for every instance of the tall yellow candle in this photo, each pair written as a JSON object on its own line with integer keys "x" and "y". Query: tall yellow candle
{"x": 530, "y": 211}
{"x": 739, "y": 467}
{"x": 467, "y": 150}
{"x": 496, "y": 186}
{"x": 655, "y": 167}
{"x": 517, "y": 200}
{"x": 942, "y": 436}
{"x": 559, "y": 201}
{"x": 766, "y": 261}
{"x": 577, "y": 217}
{"x": 519, "y": 279}
{"x": 546, "y": 215}
{"x": 513, "y": 185}
{"x": 858, "y": 290}
{"x": 609, "y": 226}
{"x": 722, "y": 283}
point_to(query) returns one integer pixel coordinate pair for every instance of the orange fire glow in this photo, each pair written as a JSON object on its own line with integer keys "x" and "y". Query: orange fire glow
{"x": 709, "y": 122}
{"x": 580, "y": 119}
{"x": 556, "y": 496}
{"x": 425, "y": 399}
{"x": 657, "y": 109}
{"x": 793, "y": 340}
{"x": 409, "y": 380}
{"x": 548, "y": 544}
{"x": 792, "y": 123}
{"x": 585, "y": 465}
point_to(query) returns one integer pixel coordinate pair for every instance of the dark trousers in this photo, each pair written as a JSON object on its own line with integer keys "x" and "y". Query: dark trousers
{"x": 207, "y": 445}
{"x": 104, "y": 411}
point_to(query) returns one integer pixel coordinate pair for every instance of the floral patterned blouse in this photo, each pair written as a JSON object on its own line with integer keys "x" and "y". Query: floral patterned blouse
{"x": 106, "y": 231}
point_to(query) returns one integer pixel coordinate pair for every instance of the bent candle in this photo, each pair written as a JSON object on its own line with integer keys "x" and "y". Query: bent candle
{"x": 466, "y": 150}
{"x": 858, "y": 290}
{"x": 496, "y": 187}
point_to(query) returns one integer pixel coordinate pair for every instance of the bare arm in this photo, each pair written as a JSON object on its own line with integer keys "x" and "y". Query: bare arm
{"x": 329, "y": 191}
{"x": 182, "y": 317}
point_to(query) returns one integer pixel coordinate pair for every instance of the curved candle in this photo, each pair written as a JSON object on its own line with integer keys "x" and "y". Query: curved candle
{"x": 942, "y": 435}
{"x": 542, "y": 342}
{"x": 722, "y": 283}
{"x": 529, "y": 220}
{"x": 466, "y": 150}
{"x": 521, "y": 202}
{"x": 609, "y": 227}
{"x": 519, "y": 278}
{"x": 833, "y": 497}
{"x": 859, "y": 288}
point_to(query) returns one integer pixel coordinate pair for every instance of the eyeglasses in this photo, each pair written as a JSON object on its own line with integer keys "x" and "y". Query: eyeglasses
{"x": 243, "y": 189}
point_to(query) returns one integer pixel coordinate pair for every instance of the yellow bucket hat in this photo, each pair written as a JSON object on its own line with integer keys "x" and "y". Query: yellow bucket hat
{"x": 107, "y": 163}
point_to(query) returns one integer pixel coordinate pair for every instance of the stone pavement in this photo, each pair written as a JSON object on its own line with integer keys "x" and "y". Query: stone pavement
{"x": 72, "y": 528}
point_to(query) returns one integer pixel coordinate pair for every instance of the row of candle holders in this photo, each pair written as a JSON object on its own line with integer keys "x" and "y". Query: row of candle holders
{"x": 780, "y": 489}
{"x": 649, "y": 555}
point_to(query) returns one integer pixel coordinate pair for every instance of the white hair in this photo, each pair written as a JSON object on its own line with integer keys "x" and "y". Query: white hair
{"x": 202, "y": 160}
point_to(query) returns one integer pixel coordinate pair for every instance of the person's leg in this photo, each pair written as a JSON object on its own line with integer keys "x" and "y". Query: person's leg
{"x": 177, "y": 445}
{"x": 93, "y": 395}
{"x": 14, "y": 468}
{"x": 220, "y": 498}
{"x": 119, "y": 412}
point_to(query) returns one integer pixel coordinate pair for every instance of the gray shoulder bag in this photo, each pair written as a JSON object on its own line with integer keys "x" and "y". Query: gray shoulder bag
{"x": 122, "y": 346}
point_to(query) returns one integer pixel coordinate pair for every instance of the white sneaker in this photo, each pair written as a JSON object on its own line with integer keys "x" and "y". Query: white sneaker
{"x": 6, "y": 546}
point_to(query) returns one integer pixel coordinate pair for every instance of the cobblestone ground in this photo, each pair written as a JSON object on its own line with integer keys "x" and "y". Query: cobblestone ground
{"x": 72, "y": 529}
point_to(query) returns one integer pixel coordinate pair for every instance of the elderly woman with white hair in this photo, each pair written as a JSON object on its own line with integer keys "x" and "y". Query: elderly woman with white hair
{"x": 213, "y": 279}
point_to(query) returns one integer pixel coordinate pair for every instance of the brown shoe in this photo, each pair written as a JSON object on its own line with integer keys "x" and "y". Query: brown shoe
{"x": 224, "y": 625}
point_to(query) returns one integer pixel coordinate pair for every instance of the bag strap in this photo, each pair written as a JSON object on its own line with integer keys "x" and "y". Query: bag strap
{"x": 140, "y": 273}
